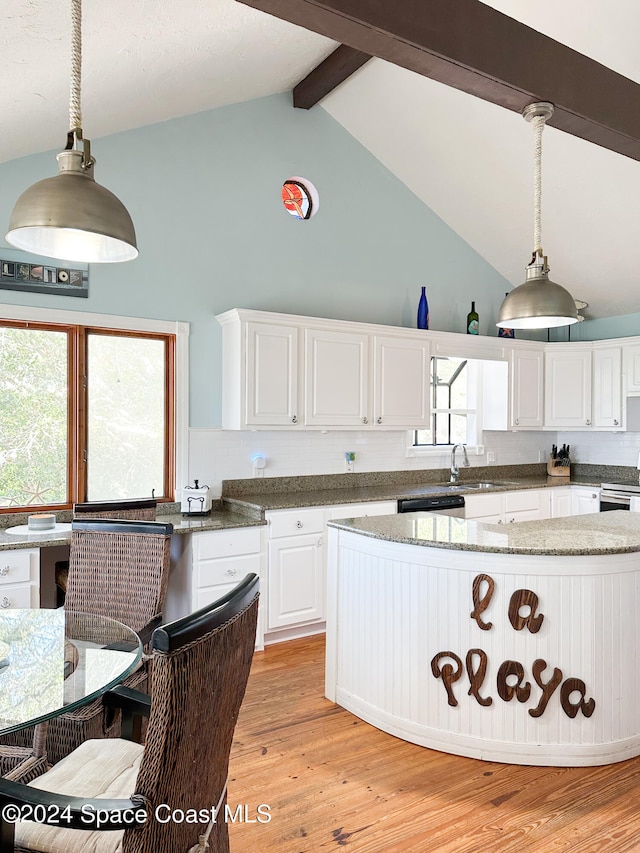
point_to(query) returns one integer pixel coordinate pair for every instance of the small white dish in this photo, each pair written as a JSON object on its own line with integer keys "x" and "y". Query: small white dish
{"x": 25, "y": 530}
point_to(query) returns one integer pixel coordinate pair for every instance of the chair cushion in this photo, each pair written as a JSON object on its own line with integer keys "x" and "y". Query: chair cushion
{"x": 98, "y": 768}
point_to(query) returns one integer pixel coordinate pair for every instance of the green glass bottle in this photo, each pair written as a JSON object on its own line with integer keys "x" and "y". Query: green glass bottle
{"x": 472, "y": 321}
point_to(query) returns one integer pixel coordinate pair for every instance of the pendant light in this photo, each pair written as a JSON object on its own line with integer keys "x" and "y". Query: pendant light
{"x": 539, "y": 303}
{"x": 70, "y": 216}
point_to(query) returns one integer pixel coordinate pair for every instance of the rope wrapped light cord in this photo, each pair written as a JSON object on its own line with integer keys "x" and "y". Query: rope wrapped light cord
{"x": 75, "y": 108}
{"x": 538, "y": 123}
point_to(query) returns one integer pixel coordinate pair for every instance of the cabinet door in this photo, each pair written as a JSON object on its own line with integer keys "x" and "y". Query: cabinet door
{"x": 561, "y": 503}
{"x": 567, "y": 401}
{"x": 337, "y": 378}
{"x": 607, "y": 387}
{"x": 401, "y": 383}
{"x": 296, "y": 581}
{"x": 527, "y": 386}
{"x": 631, "y": 359}
{"x": 584, "y": 500}
{"x": 271, "y": 385}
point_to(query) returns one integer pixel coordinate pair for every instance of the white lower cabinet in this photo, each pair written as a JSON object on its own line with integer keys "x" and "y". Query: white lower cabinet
{"x": 296, "y": 581}
{"x": 296, "y": 586}
{"x": 584, "y": 499}
{"x": 209, "y": 563}
{"x": 561, "y": 502}
{"x": 20, "y": 578}
{"x": 508, "y": 507}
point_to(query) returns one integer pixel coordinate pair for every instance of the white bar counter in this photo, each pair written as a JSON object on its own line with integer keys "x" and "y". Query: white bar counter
{"x": 517, "y": 644}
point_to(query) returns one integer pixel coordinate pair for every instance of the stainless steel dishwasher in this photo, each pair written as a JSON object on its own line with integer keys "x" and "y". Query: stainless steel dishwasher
{"x": 444, "y": 504}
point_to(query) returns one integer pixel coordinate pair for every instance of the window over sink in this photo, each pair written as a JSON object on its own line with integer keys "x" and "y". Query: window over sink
{"x": 454, "y": 393}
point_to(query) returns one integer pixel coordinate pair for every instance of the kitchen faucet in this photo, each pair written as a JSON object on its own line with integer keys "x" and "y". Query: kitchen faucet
{"x": 455, "y": 471}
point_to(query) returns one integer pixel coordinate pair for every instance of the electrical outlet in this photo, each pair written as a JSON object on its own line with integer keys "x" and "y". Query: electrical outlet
{"x": 491, "y": 456}
{"x": 349, "y": 461}
{"x": 259, "y": 462}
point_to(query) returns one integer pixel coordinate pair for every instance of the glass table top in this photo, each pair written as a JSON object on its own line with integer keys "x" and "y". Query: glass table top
{"x": 52, "y": 661}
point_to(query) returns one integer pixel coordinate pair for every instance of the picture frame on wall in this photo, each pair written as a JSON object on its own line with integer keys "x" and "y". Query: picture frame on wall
{"x": 22, "y": 271}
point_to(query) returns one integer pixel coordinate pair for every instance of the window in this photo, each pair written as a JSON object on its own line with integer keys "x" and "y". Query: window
{"x": 86, "y": 414}
{"x": 453, "y": 389}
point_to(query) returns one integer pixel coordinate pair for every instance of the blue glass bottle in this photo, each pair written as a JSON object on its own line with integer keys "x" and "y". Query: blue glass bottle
{"x": 423, "y": 311}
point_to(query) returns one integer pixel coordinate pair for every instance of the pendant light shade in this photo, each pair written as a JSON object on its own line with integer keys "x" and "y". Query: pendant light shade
{"x": 539, "y": 303}
{"x": 70, "y": 216}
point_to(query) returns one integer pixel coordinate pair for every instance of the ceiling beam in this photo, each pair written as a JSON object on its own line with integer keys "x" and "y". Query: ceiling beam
{"x": 335, "y": 69}
{"x": 472, "y": 47}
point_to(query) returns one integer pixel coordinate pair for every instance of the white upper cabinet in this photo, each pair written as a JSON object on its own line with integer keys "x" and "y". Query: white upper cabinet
{"x": 631, "y": 368}
{"x": 336, "y": 378}
{"x": 567, "y": 392}
{"x": 527, "y": 388}
{"x": 607, "y": 387}
{"x": 271, "y": 385}
{"x": 400, "y": 382}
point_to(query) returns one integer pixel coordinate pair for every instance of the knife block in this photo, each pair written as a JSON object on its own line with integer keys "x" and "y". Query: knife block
{"x": 557, "y": 470}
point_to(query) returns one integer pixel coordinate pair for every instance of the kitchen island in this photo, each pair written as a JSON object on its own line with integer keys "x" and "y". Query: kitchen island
{"x": 517, "y": 644}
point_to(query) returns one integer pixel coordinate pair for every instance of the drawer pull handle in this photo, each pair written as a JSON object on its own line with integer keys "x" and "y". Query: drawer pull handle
{"x": 588, "y": 421}
{"x": 379, "y": 420}
{"x": 4, "y": 571}
{"x": 615, "y": 422}
{"x": 232, "y": 572}
{"x": 294, "y": 419}
{"x": 5, "y": 603}
{"x": 299, "y": 525}
{"x": 517, "y": 421}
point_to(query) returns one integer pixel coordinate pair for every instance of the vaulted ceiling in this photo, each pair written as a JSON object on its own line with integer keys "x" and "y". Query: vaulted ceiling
{"x": 467, "y": 159}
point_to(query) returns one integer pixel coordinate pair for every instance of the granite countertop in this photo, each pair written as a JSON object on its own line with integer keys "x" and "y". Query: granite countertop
{"x": 614, "y": 532}
{"x": 265, "y": 501}
{"x": 218, "y": 520}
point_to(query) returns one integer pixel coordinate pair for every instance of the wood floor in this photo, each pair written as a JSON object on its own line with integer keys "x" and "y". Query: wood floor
{"x": 332, "y": 782}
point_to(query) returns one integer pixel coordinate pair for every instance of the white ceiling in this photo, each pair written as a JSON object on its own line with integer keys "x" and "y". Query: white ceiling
{"x": 468, "y": 160}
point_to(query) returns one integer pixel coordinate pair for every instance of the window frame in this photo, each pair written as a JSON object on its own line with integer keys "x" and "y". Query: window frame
{"x": 78, "y": 325}
{"x": 433, "y": 450}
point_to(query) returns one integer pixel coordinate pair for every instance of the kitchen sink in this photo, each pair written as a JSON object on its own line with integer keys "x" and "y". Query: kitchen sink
{"x": 488, "y": 484}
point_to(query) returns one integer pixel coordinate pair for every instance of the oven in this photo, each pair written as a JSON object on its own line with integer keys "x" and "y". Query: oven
{"x": 617, "y": 496}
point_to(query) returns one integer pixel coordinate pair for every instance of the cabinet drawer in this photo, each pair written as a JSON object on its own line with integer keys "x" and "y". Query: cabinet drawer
{"x": 224, "y": 543}
{"x": 226, "y": 571}
{"x": 294, "y": 523}
{"x": 476, "y": 506}
{"x": 527, "y": 499}
{"x": 15, "y": 566}
{"x": 18, "y": 595}
{"x": 364, "y": 509}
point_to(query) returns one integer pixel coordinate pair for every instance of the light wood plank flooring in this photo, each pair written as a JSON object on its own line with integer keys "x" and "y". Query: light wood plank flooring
{"x": 333, "y": 782}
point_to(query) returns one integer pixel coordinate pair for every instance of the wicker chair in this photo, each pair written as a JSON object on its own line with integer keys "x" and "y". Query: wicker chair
{"x": 118, "y": 568}
{"x": 142, "y": 510}
{"x": 201, "y": 665}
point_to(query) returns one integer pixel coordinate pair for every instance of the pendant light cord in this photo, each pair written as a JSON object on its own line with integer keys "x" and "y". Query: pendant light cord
{"x": 75, "y": 109}
{"x": 538, "y": 123}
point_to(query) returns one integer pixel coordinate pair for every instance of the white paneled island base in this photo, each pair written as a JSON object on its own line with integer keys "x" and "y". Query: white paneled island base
{"x": 439, "y": 633}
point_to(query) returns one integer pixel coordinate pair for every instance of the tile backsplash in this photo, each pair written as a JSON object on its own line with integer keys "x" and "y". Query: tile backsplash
{"x": 216, "y": 455}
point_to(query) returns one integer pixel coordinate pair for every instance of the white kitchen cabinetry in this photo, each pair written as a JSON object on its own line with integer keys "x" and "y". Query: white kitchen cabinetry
{"x": 401, "y": 382}
{"x": 631, "y": 368}
{"x": 260, "y": 379}
{"x": 296, "y": 586}
{"x": 20, "y": 578}
{"x": 209, "y": 563}
{"x": 508, "y": 507}
{"x": 527, "y": 389}
{"x": 567, "y": 397}
{"x": 584, "y": 499}
{"x": 561, "y": 503}
{"x": 296, "y": 575}
{"x": 336, "y": 378}
{"x": 607, "y": 387}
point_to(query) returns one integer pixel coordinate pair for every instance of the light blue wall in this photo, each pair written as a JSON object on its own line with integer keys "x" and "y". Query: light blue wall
{"x": 622, "y": 326}
{"x": 204, "y": 194}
